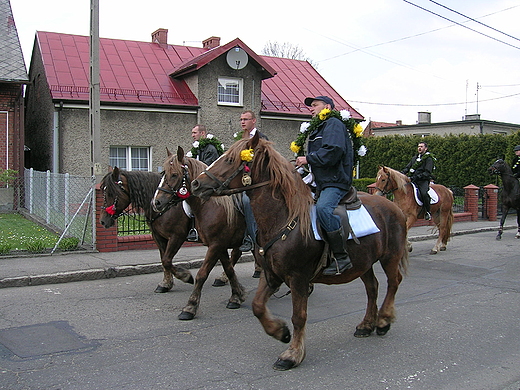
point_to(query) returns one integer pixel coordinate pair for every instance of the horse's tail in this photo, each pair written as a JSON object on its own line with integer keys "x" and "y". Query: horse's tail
{"x": 446, "y": 225}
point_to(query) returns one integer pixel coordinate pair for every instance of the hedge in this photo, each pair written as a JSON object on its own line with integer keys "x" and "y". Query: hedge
{"x": 461, "y": 159}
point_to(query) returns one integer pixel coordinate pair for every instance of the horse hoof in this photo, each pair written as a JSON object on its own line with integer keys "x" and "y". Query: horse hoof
{"x": 161, "y": 289}
{"x": 218, "y": 283}
{"x": 283, "y": 365}
{"x": 286, "y": 335}
{"x": 362, "y": 333}
{"x": 432, "y": 252}
{"x": 186, "y": 316}
{"x": 256, "y": 274}
{"x": 498, "y": 238}
{"x": 233, "y": 305}
{"x": 191, "y": 280}
{"x": 382, "y": 331}
{"x": 443, "y": 249}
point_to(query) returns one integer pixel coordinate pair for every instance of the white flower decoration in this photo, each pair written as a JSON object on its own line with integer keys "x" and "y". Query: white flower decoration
{"x": 222, "y": 146}
{"x": 345, "y": 114}
{"x": 362, "y": 151}
{"x": 304, "y": 126}
{"x": 196, "y": 144}
{"x": 189, "y": 154}
{"x": 235, "y": 135}
{"x": 209, "y": 136}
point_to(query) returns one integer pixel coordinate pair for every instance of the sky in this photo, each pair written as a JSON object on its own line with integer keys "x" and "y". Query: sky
{"x": 390, "y": 59}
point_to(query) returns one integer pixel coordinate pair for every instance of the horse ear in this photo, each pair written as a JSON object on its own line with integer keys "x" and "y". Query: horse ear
{"x": 115, "y": 173}
{"x": 168, "y": 152}
{"x": 180, "y": 154}
{"x": 253, "y": 142}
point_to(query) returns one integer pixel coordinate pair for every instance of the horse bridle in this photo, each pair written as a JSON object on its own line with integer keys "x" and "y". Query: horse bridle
{"x": 112, "y": 209}
{"x": 180, "y": 194}
{"x": 387, "y": 192}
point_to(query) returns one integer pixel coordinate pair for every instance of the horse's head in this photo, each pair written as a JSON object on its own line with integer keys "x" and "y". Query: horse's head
{"x": 389, "y": 180}
{"x": 175, "y": 183}
{"x": 231, "y": 171}
{"x": 114, "y": 187}
{"x": 498, "y": 168}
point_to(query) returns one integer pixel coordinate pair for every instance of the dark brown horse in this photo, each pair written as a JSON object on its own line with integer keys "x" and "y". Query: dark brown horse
{"x": 281, "y": 204}
{"x": 510, "y": 193}
{"x": 219, "y": 223}
{"x": 169, "y": 229}
{"x": 390, "y": 181}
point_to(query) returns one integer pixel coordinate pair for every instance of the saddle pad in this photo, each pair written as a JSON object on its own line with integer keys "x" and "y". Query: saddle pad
{"x": 434, "y": 198}
{"x": 187, "y": 209}
{"x": 360, "y": 220}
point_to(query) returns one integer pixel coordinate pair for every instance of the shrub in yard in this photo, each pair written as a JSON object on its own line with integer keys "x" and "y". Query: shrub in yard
{"x": 68, "y": 244}
{"x": 5, "y": 247}
{"x": 36, "y": 246}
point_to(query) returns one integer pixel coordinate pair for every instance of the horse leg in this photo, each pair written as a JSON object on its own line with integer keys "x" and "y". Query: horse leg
{"x": 518, "y": 223}
{"x": 367, "y": 326}
{"x": 189, "y": 311}
{"x": 222, "y": 280}
{"x": 502, "y": 220}
{"x": 237, "y": 291}
{"x": 168, "y": 251}
{"x": 295, "y": 354}
{"x": 394, "y": 277}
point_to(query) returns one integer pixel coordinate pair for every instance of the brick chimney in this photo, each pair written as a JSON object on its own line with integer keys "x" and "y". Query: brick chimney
{"x": 211, "y": 43}
{"x": 160, "y": 36}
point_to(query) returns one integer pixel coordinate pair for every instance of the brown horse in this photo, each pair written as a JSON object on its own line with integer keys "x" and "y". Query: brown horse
{"x": 510, "y": 194}
{"x": 390, "y": 181}
{"x": 169, "y": 228}
{"x": 218, "y": 222}
{"x": 281, "y": 204}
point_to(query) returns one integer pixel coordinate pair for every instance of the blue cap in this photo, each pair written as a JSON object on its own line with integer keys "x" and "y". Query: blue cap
{"x": 325, "y": 99}
{"x": 517, "y": 147}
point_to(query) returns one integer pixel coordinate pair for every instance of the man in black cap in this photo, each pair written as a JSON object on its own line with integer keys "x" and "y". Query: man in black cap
{"x": 515, "y": 166}
{"x": 330, "y": 155}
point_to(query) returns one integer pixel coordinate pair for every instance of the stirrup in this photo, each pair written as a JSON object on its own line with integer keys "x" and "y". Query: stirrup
{"x": 193, "y": 235}
{"x": 427, "y": 216}
{"x": 335, "y": 269}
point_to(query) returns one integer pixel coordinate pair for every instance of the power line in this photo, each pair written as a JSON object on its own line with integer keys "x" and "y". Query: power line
{"x": 473, "y": 20}
{"x": 469, "y": 28}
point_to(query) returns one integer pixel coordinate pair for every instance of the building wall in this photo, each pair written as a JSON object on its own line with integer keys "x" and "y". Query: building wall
{"x": 462, "y": 127}
{"x": 282, "y": 132}
{"x": 11, "y": 134}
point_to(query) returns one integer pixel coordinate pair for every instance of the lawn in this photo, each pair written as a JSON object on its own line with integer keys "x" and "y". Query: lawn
{"x": 18, "y": 232}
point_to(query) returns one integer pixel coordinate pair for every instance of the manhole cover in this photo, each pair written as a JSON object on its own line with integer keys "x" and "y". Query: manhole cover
{"x": 42, "y": 339}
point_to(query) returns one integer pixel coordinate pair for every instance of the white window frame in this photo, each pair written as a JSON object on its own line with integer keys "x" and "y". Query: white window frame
{"x": 221, "y": 98}
{"x": 129, "y": 166}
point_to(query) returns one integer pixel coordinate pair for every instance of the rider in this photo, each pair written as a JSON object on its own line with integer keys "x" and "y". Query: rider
{"x": 515, "y": 166}
{"x": 330, "y": 156}
{"x": 420, "y": 169}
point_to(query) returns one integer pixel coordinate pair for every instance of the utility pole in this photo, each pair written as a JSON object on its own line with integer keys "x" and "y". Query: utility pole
{"x": 478, "y": 87}
{"x": 94, "y": 104}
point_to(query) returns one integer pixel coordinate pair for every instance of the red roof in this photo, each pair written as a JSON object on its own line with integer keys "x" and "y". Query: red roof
{"x": 149, "y": 73}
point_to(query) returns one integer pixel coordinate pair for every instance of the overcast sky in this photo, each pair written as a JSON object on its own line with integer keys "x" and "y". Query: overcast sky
{"x": 389, "y": 59}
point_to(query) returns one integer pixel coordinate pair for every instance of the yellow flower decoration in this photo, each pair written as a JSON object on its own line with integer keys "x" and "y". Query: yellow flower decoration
{"x": 324, "y": 114}
{"x": 358, "y": 130}
{"x": 247, "y": 155}
{"x": 295, "y": 148}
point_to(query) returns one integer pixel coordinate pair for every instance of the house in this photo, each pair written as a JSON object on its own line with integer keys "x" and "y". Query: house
{"x": 13, "y": 78}
{"x": 153, "y": 93}
{"x": 471, "y": 124}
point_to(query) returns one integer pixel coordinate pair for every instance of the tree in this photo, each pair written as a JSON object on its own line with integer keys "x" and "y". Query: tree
{"x": 287, "y": 50}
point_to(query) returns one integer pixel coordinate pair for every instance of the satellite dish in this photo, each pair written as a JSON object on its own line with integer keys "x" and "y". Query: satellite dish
{"x": 237, "y": 58}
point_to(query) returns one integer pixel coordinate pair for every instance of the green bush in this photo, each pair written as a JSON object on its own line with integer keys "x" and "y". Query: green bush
{"x": 5, "y": 247}
{"x": 36, "y": 246}
{"x": 68, "y": 244}
{"x": 7, "y": 176}
{"x": 361, "y": 184}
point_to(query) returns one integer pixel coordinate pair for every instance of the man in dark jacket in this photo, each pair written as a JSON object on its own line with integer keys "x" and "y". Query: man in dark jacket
{"x": 330, "y": 156}
{"x": 207, "y": 153}
{"x": 420, "y": 169}
{"x": 515, "y": 166}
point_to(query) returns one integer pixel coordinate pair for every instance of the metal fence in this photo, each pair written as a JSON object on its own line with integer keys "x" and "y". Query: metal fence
{"x": 64, "y": 203}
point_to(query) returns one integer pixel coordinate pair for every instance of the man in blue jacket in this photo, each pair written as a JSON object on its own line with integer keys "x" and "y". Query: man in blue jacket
{"x": 330, "y": 155}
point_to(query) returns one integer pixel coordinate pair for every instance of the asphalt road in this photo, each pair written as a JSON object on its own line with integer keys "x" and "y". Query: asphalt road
{"x": 457, "y": 328}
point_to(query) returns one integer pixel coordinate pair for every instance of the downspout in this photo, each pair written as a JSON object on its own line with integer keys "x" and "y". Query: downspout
{"x": 56, "y": 139}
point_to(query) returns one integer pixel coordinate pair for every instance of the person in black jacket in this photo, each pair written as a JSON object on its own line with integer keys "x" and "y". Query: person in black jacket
{"x": 330, "y": 155}
{"x": 207, "y": 153}
{"x": 515, "y": 166}
{"x": 420, "y": 170}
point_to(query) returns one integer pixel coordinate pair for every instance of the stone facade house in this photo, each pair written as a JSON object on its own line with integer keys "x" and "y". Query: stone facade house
{"x": 153, "y": 93}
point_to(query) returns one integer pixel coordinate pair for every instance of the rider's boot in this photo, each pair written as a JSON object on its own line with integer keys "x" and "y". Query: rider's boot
{"x": 341, "y": 261}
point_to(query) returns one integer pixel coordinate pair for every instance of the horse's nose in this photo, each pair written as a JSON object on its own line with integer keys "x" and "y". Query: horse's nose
{"x": 195, "y": 185}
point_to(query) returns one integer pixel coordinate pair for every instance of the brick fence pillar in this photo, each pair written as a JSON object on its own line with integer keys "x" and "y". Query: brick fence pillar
{"x": 371, "y": 188}
{"x": 491, "y": 194}
{"x": 106, "y": 239}
{"x": 471, "y": 201}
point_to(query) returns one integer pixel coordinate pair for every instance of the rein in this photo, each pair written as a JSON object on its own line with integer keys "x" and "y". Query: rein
{"x": 246, "y": 181}
{"x": 177, "y": 195}
{"x": 387, "y": 192}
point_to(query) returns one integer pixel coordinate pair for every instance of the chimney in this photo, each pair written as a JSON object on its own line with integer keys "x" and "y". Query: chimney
{"x": 425, "y": 118}
{"x": 211, "y": 43}
{"x": 160, "y": 36}
{"x": 399, "y": 122}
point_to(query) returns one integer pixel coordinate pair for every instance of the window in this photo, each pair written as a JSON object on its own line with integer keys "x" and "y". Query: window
{"x": 230, "y": 91}
{"x": 130, "y": 158}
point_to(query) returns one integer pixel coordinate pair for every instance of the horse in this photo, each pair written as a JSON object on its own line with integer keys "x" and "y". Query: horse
{"x": 289, "y": 251}
{"x": 169, "y": 228}
{"x": 218, "y": 221}
{"x": 390, "y": 181}
{"x": 510, "y": 193}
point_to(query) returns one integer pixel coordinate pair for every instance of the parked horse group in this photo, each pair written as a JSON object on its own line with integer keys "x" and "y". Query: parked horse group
{"x": 282, "y": 204}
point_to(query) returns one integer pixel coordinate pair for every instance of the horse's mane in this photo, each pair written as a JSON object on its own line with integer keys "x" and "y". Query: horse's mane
{"x": 195, "y": 168}
{"x": 399, "y": 178}
{"x": 141, "y": 187}
{"x": 284, "y": 179}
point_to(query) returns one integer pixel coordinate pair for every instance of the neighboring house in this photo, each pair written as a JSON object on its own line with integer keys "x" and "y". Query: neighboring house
{"x": 153, "y": 93}
{"x": 13, "y": 77}
{"x": 472, "y": 124}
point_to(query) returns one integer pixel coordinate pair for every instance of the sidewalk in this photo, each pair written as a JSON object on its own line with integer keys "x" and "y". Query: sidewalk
{"x": 76, "y": 266}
